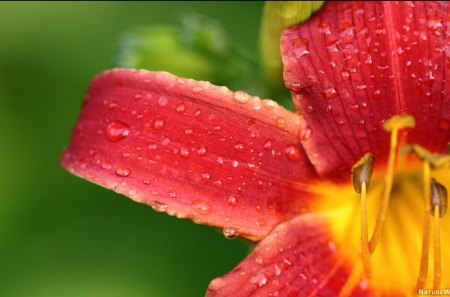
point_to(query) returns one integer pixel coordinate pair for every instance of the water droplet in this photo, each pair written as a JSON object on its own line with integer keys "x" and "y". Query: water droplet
{"x": 361, "y": 87}
{"x": 180, "y": 107}
{"x": 268, "y": 144}
{"x": 259, "y": 279}
{"x": 184, "y": 152}
{"x": 377, "y": 93}
{"x": 165, "y": 141}
{"x": 232, "y": 200}
{"x": 277, "y": 270}
{"x": 105, "y": 165}
{"x": 269, "y": 104}
{"x": 158, "y": 206}
{"x": 300, "y": 47}
{"x": 201, "y": 207}
{"x": 354, "y": 107}
{"x": 305, "y": 133}
{"x": 163, "y": 101}
{"x": 196, "y": 89}
{"x": 345, "y": 75}
{"x": 123, "y": 171}
{"x": 201, "y": 151}
{"x": 330, "y": 93}
{"x": 206, "y": 176}
{"x": 241, "y": 97}
{"x": 188, "y": 132}
{"x": 117, "y": 130}
{"x": 235, "y": 163}
{"x": 292, "y": 152}
{"x": 138, "y": 96}
{"x": 258, "y": 260}
{"x": 173, "y": 195}
{"x": 239, "y": 147}
{"x": 158, "y": 124}
{"x": 281, "y": 122}
{"x": 146, "y": 182}
{"x": 229, "y": 233}
{"x": 220, "y": 160}
{"x": 309, "y": 108}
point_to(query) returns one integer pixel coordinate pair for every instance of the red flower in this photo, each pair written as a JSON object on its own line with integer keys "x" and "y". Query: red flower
{"x": 256, "y": 170}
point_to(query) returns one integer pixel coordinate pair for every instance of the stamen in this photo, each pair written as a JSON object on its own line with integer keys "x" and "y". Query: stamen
{"x": 435, "y": 160}
{"x": 439, "y": 208}
{"x": 361, "y": 174}
{"x": 364, "y": 231}
{"x": 423, "y": 272}
{"x": 393, "y": 124}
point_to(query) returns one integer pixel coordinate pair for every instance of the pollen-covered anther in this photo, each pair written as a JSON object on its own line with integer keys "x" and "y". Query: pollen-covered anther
{"x": 398, "y": 122}
{"x": 438, "y": 198}
{"x": 361, "y": 174}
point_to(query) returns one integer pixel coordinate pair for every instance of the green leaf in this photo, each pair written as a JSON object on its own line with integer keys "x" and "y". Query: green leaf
{"x": 277, "y": 16}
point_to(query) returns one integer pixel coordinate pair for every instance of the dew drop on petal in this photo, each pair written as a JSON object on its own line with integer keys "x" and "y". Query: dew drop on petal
{"x": 239, "y": 147}
{"x": 292, "y": 152}
{"x": 232, "y": 200}
{"x": 277, "y": 270}
{"x": 105, "y": 165}
{"x": 180, "y": 107}
{"x": 206, "y": 176}
{"x": 117, "y": 130}
{"x": 345, "y": 75}
{"x": 229, "y": 233}
{"x": 163, "y": 101}
{"x": 305, "y": 133}
{"x": 330, "y": 93}
{"x": 158, "y": 206}
{"x": 268, "y": 144}
{"x": 281, "y": 122}
{"x": 158, "y": 124}
{"x": 201, "y": 151}
{"x": 234, "y": 163}
{"x": 241, "y": 97}
{"x": 184, "y": 152}
{"x": 201, "y": 207}
{"x": 123, "y": 172}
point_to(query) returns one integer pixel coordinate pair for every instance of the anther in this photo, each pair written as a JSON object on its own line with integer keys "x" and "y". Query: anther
{"x": 438, "y": 209}
{"x": 393, "y": 125}
{"x": 438, "y": 198}
{"x": 361, "y": 174}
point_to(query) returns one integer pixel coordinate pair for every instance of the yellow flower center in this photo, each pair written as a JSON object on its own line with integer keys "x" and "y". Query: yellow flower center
{"x": 393, "y": 224}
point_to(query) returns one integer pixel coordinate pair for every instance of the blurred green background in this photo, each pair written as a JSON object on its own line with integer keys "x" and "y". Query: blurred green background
{"x": 63, "y": 236}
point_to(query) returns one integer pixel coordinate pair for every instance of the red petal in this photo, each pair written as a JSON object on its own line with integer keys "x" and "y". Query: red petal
{"x": 192, "y": 149}
{"x": 299, "y": 258}
{"x": 357, "y": 63}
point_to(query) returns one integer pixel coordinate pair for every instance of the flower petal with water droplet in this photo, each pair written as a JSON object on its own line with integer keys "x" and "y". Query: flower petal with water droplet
{"x": 230, "y": 177}
{"x": 383, "y": 57}
{"x": 293, "y": 260}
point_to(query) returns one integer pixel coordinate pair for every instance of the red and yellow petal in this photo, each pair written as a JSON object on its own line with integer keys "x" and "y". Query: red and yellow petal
{"x": 355, "y": 64}
{"x": 300, "y": 257}
{"x": 193, "y": 150}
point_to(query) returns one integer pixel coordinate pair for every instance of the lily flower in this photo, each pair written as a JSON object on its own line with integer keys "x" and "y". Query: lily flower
{"x": 347, "y": 196}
